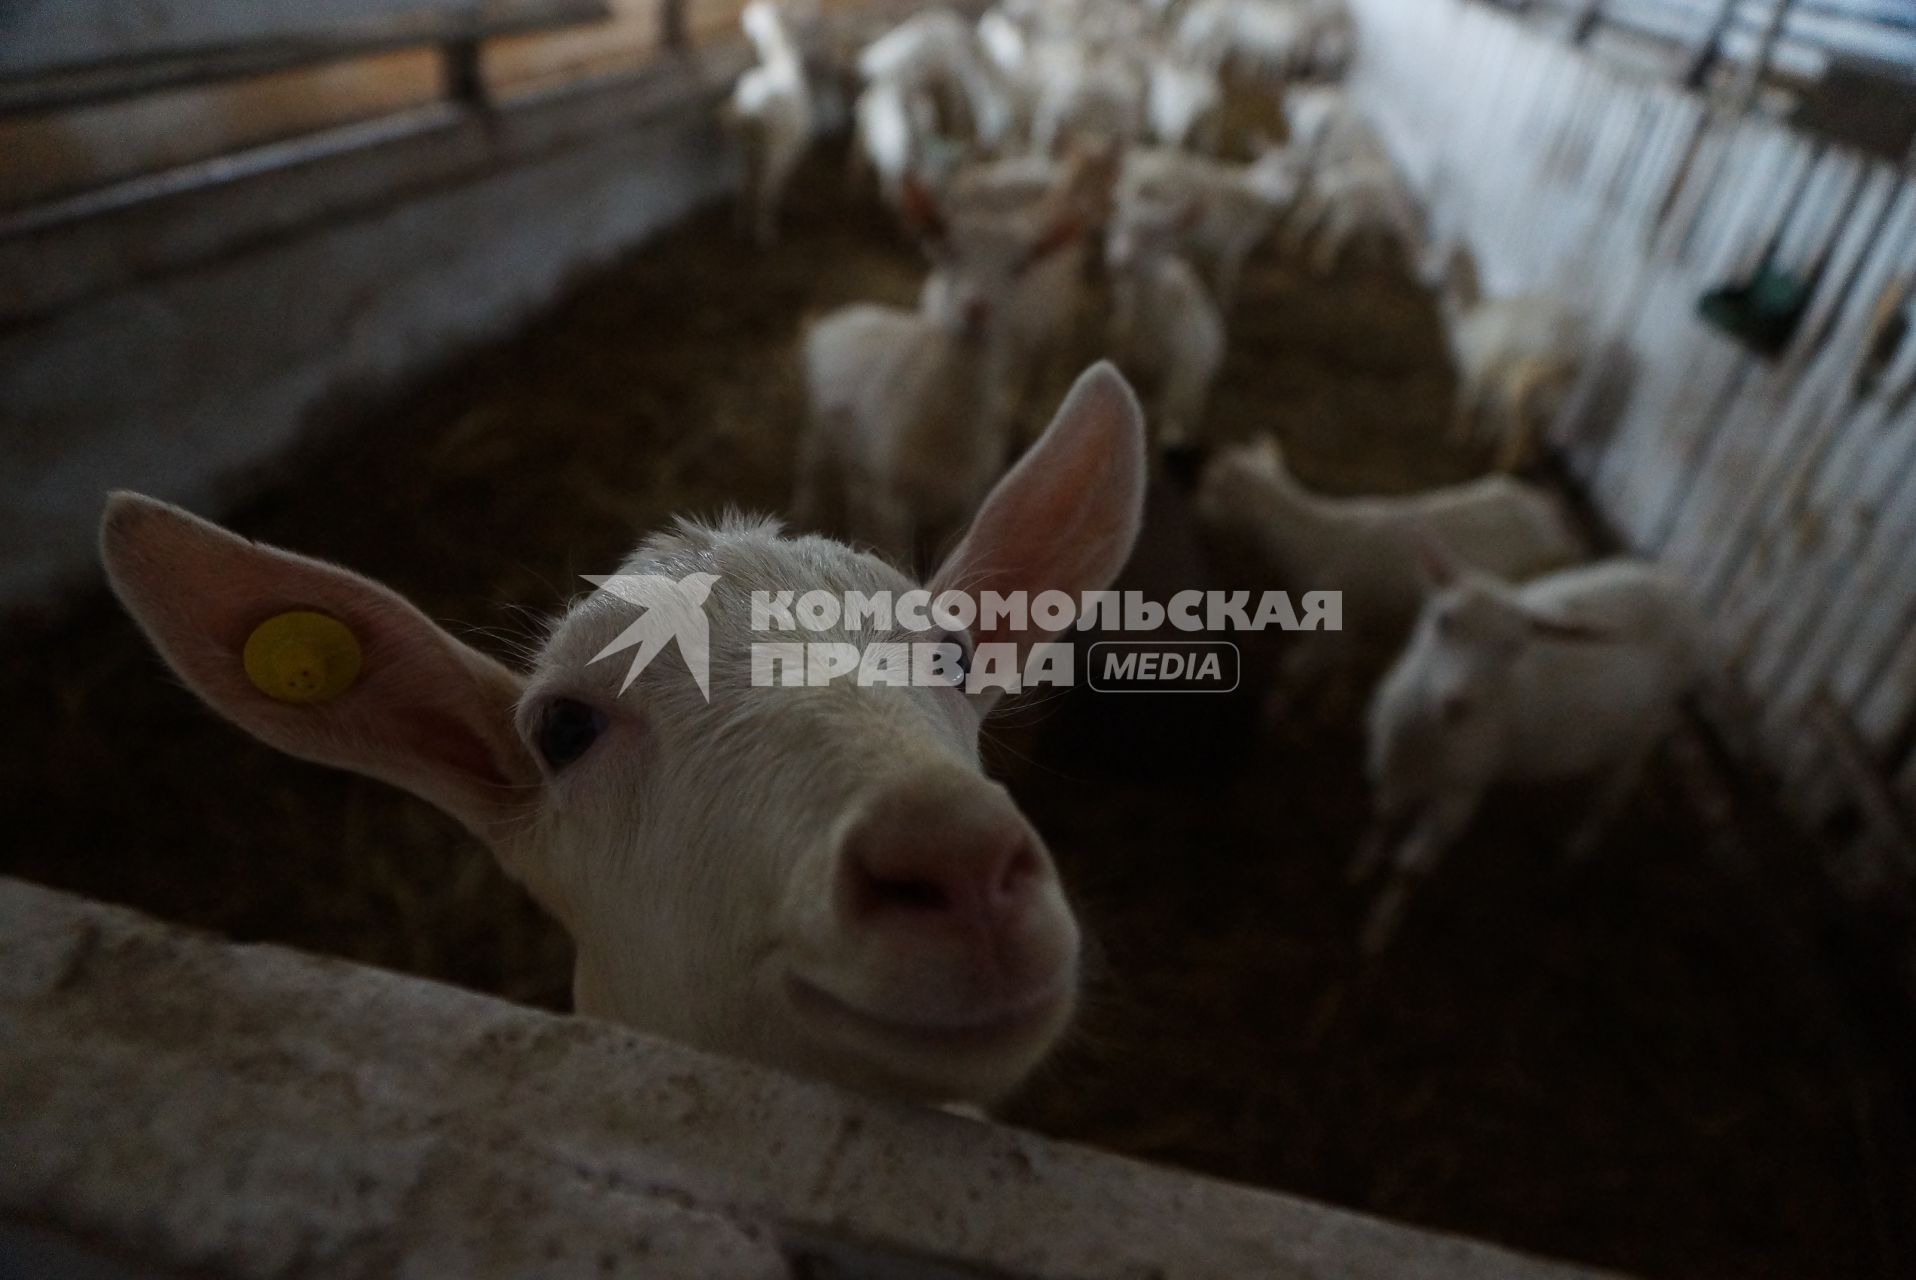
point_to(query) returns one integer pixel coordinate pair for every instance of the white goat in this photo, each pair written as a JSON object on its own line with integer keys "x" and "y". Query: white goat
{"x": 1573, "y": 675}
{"x": 1226, "y": 210}
{"x": 1084, "y": 97}
{"x": 1333, "y": 41}
{"x": 898, "y": 138}
{"x": 1367, "y": 547}
{"x": 1352, "y": 200}
{"x": 1326, "y": 128}
{"x": 772, "y": 110}
{"x": 1184, "y": 104}
{"x": 1043, "y": 312}
{"x": 935, "y": 53}
{"x": 1516, "y": 359}
{"x": 1271, "y": 39}
{"x": 817, "y": 878}
{"x": 910, "y": 410}
{"x": 1165, "y": 326}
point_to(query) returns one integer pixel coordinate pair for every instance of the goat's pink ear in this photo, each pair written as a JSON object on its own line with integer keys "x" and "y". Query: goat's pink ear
{"x": 1058, "y": 233}
{"x": 1435, "y": 563}
{"x": 412, "y": 705}
{"x": 1066, "y": 516}
{"x": 920, "y": 211}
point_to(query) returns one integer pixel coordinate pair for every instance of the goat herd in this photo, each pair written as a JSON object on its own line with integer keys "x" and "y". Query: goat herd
{"x": 1013, "y": 151}
{"x": 822, "y": 877}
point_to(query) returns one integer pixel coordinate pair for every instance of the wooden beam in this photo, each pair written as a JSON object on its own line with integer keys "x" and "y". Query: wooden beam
{"x": 61, "y": 254}
{"x": 61, "y": 53}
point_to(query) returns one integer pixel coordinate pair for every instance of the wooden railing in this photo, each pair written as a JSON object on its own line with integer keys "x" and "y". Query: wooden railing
{"x": 1784, "y": 486}
{"x": 86, "y": 101}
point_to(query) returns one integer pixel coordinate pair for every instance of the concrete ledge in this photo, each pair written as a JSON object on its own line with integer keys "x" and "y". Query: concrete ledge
{"x": 254, "y": 1112}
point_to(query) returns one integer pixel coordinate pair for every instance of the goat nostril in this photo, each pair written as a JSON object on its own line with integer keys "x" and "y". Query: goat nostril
{"x": 874, "y": 894}
{"x": 1020, "y": 873}
{"x": 912, "y": 895}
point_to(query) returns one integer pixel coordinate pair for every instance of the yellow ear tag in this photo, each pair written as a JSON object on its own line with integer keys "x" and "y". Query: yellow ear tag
{"x": 302, "y": 657}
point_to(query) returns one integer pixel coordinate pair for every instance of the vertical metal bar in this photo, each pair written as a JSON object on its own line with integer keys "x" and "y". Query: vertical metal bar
{"x": 1751, "y": 80}
{"x": 463, "y": 73}
{"x": 1589, "y": 18}
{"x": 1709, "y": 50}
{"x": 1874, "y": 793}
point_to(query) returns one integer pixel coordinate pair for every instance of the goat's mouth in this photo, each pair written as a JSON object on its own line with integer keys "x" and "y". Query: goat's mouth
{"x": 999, "y": 1025}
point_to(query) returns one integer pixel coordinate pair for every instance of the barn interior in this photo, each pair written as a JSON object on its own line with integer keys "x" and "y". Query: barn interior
{"x": 1687, "y": 1054}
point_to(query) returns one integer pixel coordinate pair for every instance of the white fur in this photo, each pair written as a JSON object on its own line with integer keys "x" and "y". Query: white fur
{"x": 1270, "y": 38}
{"x": 1225, "y": 210}
{"x": 1044, "y": 309}
{"x": 936, "y": 54}
{"x": 1369, "y": 547}
{"x": 773, "y": 108}
{"x": 1516, "y": 357}
{"x": 1354, "y": 198}
{"x": 1085, "y": 96}
{"x": 910, "y": 411}
{"x": 817, "y": 877}
{"x": 897, "y": 136}
{"x": 1184, "y": 104}
{"x": 1166, "y": 326}
{"x": 1326, "y": 126}
{"x": 906, "y": 426}
{"x": 1574, "y": 675}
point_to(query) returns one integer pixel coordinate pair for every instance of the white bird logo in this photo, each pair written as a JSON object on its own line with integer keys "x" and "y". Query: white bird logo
{"x": 674, "y": 610}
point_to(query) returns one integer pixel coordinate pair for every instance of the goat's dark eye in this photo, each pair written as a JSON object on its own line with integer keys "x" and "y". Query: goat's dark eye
{"x": 567, "y": 728}
{"x": 961, "y": 666}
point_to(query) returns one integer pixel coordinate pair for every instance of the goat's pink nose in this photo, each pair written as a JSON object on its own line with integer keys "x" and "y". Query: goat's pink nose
{"x": 937, "y": 861}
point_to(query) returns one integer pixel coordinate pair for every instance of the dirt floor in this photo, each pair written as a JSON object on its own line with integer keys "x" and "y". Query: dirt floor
{"x": 1649, "y": 1062}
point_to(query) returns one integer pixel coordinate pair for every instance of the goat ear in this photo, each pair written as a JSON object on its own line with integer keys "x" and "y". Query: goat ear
{"x": 1066, "y": 516}
{"x": 919, "y": 208}
{"x": 1435, "y": 562}
{"x": 320, "y": 662}
{"x": 1058, "y": 233}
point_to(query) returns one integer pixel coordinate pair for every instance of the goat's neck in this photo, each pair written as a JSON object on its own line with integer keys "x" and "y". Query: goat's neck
{"x": 1294, "y": 521}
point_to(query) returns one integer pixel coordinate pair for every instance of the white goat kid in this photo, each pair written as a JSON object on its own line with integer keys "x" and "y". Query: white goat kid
{"x": 1357, "y": 199}
{"x": 1576, "y": 674}
{"x": 910, "y": 410}
{"x": 1184, "y": 104}
{"x": 1085, "y": 97}
{"x": 1326, "y": 127}
{"x": 1044, "y": 314}
{"x": 1225, "y": 210}
{"x": 1517, "y": 358}
{"x": 1165, "y": 326}
{"x": 936, "y": 54}
{"x": 1368, "y": 547}
{"x": 819, "y": 878}
{"x": 1271, "y": 40}
{"x": 773, "y": 112}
